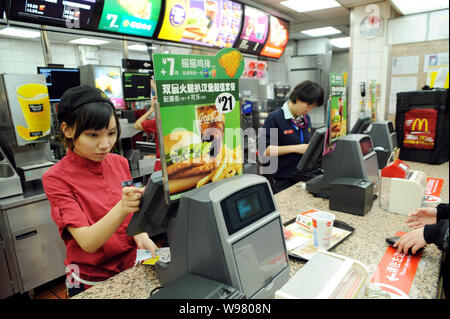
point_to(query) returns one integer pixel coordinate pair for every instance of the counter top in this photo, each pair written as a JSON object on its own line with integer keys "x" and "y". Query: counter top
{"x": 367, "y": 243}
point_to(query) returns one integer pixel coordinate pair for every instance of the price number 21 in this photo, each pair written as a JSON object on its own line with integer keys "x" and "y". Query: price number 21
{"x": 225, "y": 102}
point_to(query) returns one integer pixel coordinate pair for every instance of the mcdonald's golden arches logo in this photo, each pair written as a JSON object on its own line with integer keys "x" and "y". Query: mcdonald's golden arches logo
{"x": 420, "y": 123}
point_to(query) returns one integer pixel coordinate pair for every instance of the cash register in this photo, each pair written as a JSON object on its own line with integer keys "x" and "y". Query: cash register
{"x": 350, "y": 176}
{"x": 229, "y": 233}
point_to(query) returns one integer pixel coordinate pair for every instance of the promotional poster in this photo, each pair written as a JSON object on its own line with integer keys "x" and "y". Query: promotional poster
{"x": 199, "y": 117}
{"x": 336, "y": 111}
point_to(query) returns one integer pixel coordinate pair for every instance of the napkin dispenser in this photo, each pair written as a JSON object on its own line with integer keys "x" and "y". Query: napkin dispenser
{"x": 407, "y": 194}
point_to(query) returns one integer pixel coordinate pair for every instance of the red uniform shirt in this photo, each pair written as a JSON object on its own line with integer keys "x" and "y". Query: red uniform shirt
{"x": 81, "y": 192}
{"x": 149, "y": 126}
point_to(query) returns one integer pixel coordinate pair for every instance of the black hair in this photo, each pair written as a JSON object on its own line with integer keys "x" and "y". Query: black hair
{"x": 308, "y": 92}
{"x": 89, "y": 116}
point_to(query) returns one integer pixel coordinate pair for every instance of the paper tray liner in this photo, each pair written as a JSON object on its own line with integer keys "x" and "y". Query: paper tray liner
{"x": 308, "y": 250}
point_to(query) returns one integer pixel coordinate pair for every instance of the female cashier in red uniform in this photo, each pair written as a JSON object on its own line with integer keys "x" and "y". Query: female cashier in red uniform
{"x": 88, "y": 203}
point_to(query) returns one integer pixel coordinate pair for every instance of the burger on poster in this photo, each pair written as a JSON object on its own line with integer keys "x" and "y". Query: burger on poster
{"x": 335, "y": 123}
{"x": 188, "y": 160}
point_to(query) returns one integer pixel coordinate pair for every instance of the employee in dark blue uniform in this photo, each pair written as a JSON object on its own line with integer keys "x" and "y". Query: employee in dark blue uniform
{"x": 293, "y": 126}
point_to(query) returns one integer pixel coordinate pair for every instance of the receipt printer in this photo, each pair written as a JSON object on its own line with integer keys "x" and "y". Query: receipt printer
{"x": 351, "y": 195}
{"x": 407, "y": 194}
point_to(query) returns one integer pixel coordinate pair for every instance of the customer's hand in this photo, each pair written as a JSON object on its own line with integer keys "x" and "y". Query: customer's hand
{"x": 144, "y": 242}
{"x": 421, "y": 217}
{"x": 413, "y": 240}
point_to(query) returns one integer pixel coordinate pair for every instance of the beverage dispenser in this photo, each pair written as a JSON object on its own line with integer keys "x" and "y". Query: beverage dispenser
{"x": 25, "y": 127}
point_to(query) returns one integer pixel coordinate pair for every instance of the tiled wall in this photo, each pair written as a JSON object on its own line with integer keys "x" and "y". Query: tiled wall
{"x": 24, "y": 56}
{"x": 369, "y": 60}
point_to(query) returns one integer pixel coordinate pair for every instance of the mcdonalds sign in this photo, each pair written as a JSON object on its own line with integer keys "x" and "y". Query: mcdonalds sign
{"x": 420, "y": 128}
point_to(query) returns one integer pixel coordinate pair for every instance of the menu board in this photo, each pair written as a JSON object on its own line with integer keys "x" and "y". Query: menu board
{"x": 278, "y": 38}
{"x": 136, "y": 17}
{"x": 73, "y": 14}
{"x": 214, "y": 23}
{"x": 254, "y": 31}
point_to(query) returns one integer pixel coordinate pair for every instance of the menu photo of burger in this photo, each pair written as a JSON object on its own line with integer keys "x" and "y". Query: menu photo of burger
{"x": 335, "y": 123}
{"x": 190, "y": 163}
{"x": 187, "y": 159}
{"x": 196, "y": 25}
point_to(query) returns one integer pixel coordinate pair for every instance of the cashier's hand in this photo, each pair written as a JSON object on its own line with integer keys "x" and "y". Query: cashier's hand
{"x": 131, "y": 198}
{"x": 144, "y": 242}
{"x": 301, "y": 148}
{"x": 413, "y": 240}
{"x": 421, "y": 217}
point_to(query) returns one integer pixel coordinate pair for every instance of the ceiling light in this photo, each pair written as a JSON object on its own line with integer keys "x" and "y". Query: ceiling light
{"x": 341, "y": 42}
{"x": 305, "y": 6}
{"x": 319, "y": 32}
{"x": 88, "y": 41}
{"x": 22, "y": 33}
{"x": 140, "y": 47}
{"x": 416, "y": 6}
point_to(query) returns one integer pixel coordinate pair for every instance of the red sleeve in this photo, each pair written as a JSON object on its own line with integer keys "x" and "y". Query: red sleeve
{"x": 65, "y": 210}
{"x": 149, "y": 126}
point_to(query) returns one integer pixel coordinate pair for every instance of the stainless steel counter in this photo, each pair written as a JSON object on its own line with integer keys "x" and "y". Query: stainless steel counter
{"x": 23, "y": 199}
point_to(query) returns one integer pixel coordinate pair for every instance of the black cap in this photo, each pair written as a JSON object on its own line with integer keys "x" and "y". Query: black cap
{"x": 76, "y": 97}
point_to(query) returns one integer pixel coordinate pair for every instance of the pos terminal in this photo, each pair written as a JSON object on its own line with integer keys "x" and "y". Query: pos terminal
{"x": 229, "y": 232}
{"x": 350, "y": 175}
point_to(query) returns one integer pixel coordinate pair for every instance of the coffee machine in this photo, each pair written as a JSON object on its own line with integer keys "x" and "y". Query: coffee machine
{"x": 25, "y": 131}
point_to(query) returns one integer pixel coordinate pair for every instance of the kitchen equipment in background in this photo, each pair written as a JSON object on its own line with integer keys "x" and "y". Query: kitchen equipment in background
{"x": 316, "y": 68}
{"x": 281, "y": 91}
{"x": 9, "y": 179}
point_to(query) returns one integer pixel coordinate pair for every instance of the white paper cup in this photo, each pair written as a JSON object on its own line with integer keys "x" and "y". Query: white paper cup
{"x": 322, "y": 229}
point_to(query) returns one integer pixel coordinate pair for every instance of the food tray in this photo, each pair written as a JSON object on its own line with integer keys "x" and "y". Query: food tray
{"x": 301, "y": 245}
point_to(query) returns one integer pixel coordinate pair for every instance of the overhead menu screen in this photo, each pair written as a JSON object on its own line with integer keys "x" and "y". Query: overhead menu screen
{"x": 214, "y": 23}
{"x": 135, "y": 17}
{"x": 278, "y": 38}
{"x": 73, "y": 14}
{"x": 254, "y": 31}
{"x": 136, "y": 86}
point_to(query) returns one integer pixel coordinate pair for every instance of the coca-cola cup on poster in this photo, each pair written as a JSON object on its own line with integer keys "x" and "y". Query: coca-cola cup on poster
{"x": 211, "y": 126}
